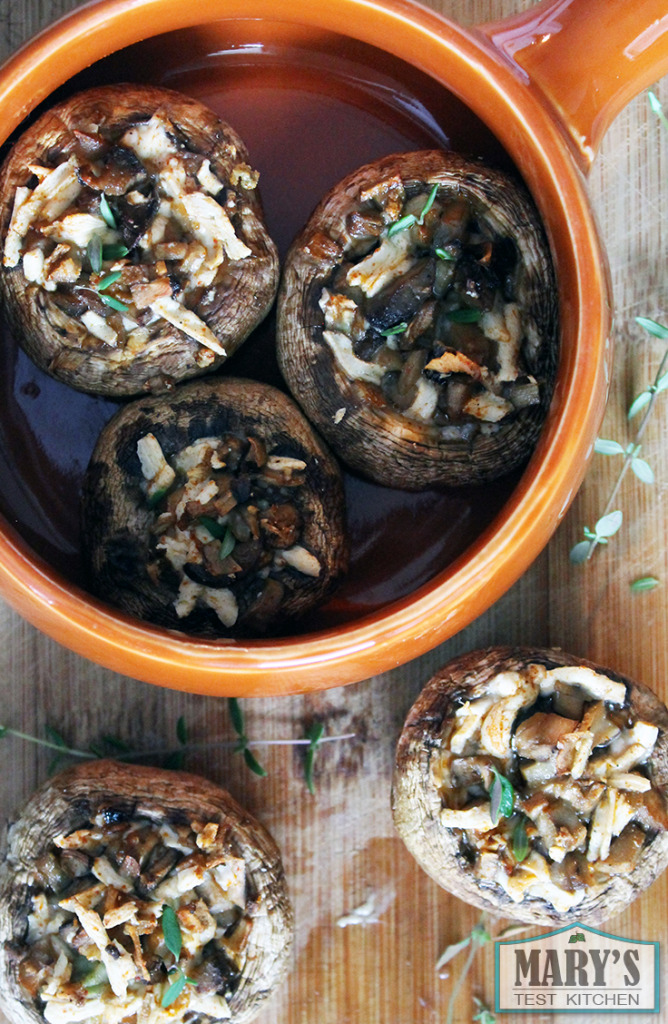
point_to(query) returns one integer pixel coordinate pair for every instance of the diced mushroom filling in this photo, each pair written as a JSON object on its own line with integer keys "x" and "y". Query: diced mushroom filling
{"x": 128, "y": 229}
{"x": 136, "y": 920}
{"x": 424, "y": 304}
{"x": 545, "y": 778}
{"x": 229, "y": 521}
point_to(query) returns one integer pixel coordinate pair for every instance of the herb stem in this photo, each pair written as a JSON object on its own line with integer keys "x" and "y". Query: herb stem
{"x": 457, "y": 987}
{"x": 631, "y": 451}
{"x": 5, "y": 730}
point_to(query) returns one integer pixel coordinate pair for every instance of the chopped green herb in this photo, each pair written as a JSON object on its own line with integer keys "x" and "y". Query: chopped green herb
{"x": 397, "y": 329}
{"x": 501, "y": 796}
{"x": 228, "y": 543}
{"x": 152, "y": 500}
{"x": 171, "y": 931}
{"x": 644, "y": 583}
{"x": 106, "y": 212}
{"x": 113, "y": 303}
{"x": 313, "y": 734}
{"x": 428, "y": 205}
{"x": 400, "y": 225}
{"x": 520, "y": 841}
{"x": 96, "y": 975}
{"x": 107, "y": 281}
{"x": 174, "y": 991}
{"x": 116, "y": 744}
{"x": 443, "y": 254}
{"x": 215, "y": 528}
{"x": 94, "y": 250}
{"x": 464, "y": 316}
{"x": 114, "y": 252}
{"x": 237, "y": 717}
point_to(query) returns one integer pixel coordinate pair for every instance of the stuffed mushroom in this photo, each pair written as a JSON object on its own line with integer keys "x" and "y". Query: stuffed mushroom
{"x": 130, "y": 893}
{"x": 535, "y": 785}
{"x": 417, "y": 321}
{"x": 216, "y": 511}
{"x": 134, "y": 248}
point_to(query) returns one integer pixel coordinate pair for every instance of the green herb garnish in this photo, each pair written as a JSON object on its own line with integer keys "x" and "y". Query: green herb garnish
{"x": 644, "y": 583}
{"x": 228, "y": 543}
{"x": 464, "y": 316}
{"x": 443, "y": 254}
{"x": 171, "y": 931}
{"x": 107, "y": 281}
{"x": 520, "y": 841}
{"x": 94, "y": 250}
{"x": 400, "y": 225}
{"x": 114, "y": 252}
{"x": 106, "y": 212}
{"x": 314, "y": 734}
{"x": 501, "y": 797}
{"x": 215, "y": 528}
{"x": 428, "y": 205}
{"x": 174, "y": 990}
{"x": 113, "y": 303}
{"x": 397, "y": 329}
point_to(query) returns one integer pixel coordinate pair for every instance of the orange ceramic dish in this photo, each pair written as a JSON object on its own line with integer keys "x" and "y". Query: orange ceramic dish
{"x": 547, "y": 83}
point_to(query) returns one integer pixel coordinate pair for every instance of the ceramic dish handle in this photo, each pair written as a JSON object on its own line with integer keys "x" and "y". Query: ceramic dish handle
{"x": 589, "y": 57}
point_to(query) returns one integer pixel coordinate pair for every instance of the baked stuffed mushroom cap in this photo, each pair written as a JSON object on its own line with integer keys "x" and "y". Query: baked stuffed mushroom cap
{"x": 534, "y": 784}
{"x": 134, "y": 248}
{"x": 215, "y": 510}
{"x": 121, "y": 881}
{"x": 417, "y": 321}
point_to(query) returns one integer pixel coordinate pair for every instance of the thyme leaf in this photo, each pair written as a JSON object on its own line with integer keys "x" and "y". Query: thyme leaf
{"x": 174, "y": 990}
{"x": 501, "y": 797}
{"x": 116, "y": 304}
{"x": 428, "y": 205}
{"x": 106, "y": 212}
{"x": 242, "y": 747}
{"x": 397, "y": 329}
{"x": 464, "y": 316}
{"x": 108, "y": 280}
{"x": 182, "y": 731}
{"x": 253, "y": 763}
{"x": 228, "y": 543}
{"x": 110, "y": 253}
{"x": 95, "y": 251}
{"x": 644, "y": 583}
{"x": 171, "y": 931}
{"x": 520, "y": 841}
{"x": 400, "y": 225}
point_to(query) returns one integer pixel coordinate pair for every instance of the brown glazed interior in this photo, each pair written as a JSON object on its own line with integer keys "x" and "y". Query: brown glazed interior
{"x": 403, "y": 78}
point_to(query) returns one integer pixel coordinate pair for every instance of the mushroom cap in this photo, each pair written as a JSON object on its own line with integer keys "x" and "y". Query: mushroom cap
{"x": 373, "y": 437}
{"x": 416, "y": 801}
{"x": 231, "y": 309}
{"x": 74, "y": 796}
{"x": 116, "y": 519}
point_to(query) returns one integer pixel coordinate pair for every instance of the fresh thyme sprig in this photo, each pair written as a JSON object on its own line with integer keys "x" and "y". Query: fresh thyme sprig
{"x": 478, "y": 937}
{"x": 611, "y": 520}
{"x": 112, "y": 746}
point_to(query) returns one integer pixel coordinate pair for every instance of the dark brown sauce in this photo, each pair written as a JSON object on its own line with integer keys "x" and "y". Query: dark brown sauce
{"x": 310, "y": 113}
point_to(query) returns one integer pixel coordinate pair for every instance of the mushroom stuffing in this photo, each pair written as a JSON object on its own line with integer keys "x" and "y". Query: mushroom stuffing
{"x": 535, "y": 784}
{"x": 417, "y": 321}
{"x": 131, "y": 893}
{"x": 135, "y": 253}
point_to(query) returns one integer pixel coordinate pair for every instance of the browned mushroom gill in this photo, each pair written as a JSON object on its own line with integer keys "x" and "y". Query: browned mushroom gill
{"x": 544, "y": 776}
{"x": 122, "y": 910}
{"x": 228, "y": 521}
{"x": 423, "y": 303}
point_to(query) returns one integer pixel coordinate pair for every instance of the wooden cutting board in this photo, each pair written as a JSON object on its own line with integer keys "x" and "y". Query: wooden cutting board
{"x": 339, "y": 846}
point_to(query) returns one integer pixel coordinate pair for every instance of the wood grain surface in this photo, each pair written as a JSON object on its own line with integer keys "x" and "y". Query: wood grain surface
{"x": 339, "y": 846}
